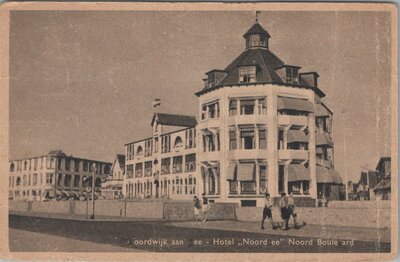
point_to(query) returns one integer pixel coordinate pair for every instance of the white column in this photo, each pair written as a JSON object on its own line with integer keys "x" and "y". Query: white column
{"x": 272, "y": 142}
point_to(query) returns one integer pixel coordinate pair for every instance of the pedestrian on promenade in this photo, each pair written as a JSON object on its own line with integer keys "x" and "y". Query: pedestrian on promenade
{"x": 205, "y": 208}
{"x": 283, "y": 204}
{"x": 267, "y": 212}
{"x": 196, "y": 207}
{"x": 292, "y": 210}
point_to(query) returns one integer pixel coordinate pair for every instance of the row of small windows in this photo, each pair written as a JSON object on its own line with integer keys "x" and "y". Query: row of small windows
{"x": 163, "y": 188}
{"x": 63, "y": 164}
{"x": 177, "y": 166}
{"x": 150, "y": 147}
{"x": 31, "y": 179}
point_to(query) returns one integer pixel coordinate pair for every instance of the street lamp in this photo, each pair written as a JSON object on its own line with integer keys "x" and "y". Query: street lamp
{"x": 345, "y": 157}
{"x": 94, "y": 169}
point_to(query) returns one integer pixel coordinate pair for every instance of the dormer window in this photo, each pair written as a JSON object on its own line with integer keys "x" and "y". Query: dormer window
{"x": 247, "y": 74}
{"x": 254, "y": 40}
{"x": 292, "y": 75}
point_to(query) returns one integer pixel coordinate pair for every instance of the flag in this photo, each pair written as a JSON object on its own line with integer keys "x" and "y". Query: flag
{"x": 156, "y": 102}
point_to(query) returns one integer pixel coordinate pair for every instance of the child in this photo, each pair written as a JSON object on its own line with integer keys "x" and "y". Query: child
{"x": 292, "y": 210}
{"x": 283, "y": 203}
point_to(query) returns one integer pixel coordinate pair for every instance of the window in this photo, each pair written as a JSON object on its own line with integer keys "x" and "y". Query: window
{"x": 67, "y": 164}
{"x": 34, "y": 180}
{"x": 76, "y": 180}
{"x": 280, "y": 139}
{"x": 85, "y": 166}
{"x": 247, "y": 187}
{"x": 148, "y": 168}
{"x": 156, "y": 145}
{"x": 281, "y": 179}
{"x": 129, "y": 171}
{"x": 41, "y": 162}
{"x": 139, "y": 152}
{"x": 232, "y": 140}
{"x": 29, "y": 179}
{"x": 297, "y": 146}
{"x": 177, "y": 164}
{"x": 165, "y": 166}
{"x": 178, "y": 142}
{"x": 59, "y": 178}
{"x": 262, "y": 136}
{"x": 49, "y": 179}
{"x": 233, "y": 107}
{"x": 76, "y": 165}
{"x": 67, "y": 180}
{"x": 165, "y": 144}
{"x": 35, "y": 164}
{"x": 190, "y": 162}
{"x": 248, "y": 141}
{"x": 263, "y": 177}
{"x": 139, "y": 170}
{"x": 129, "y": 152}
{"x": 262, "y": 106}
{"x": 247, "y": 107}
{"x": 12, "y": 167}
{"x": 254, "y": 40}
{"x": 247, "y": 74}
{"x": 210, "y": 110}
{"x": 25, "y": 165}
{"x": 292, "y": 75}
{"x": 59, "y": 164}
{"x": 233, "y": 187}
{"x": 148, "y": 146}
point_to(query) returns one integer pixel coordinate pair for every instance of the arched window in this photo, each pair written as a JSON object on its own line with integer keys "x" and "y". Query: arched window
{"x": 25, "y": 165}
{"x": 24, "y": 180}
{"x": 18, "y": 181}
{"x": 178, "y": 142}
{"x": 211, "y": 188}
{"x": 139, "y": 151}
{"x": 12, "y": 167}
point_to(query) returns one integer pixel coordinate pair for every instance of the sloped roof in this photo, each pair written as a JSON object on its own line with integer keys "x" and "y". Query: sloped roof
{"x": 371, "y": 176}
{"x": 56, "y": 152}
{"x": 264, "y": 59}
{"x": 174, "y": 120}
{"x": 121, "y": 160}
{"x": 256, "y": 29}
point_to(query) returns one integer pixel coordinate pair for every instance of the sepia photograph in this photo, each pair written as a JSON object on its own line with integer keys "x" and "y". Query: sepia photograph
{"x": 199, "y": 128}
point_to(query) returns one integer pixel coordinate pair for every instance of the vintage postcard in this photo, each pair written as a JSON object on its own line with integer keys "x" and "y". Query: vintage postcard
{"x": 199, "y": 131}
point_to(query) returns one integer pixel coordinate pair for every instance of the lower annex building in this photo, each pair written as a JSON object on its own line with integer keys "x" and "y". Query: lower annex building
{"x": 262, "y": 127}
{"x": 54, "y": 176}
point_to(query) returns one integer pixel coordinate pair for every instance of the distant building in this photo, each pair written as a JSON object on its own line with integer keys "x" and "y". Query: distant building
{"x": 383, "y": 188}
{"x": 112, "y": 187}
{"x": 366, "y": 184}
{"x": 163, "y": 165}
{"x": 54, "y": 175}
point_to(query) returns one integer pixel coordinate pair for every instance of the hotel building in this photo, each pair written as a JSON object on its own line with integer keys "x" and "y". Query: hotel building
{"x": 262, "y": 127}
{"x": 54, "y": 175}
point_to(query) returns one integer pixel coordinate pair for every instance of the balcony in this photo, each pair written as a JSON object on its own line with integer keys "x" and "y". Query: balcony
{"x": 293, "y": 154}
{"x": 288, "y": 120}
{"x": 324, "y": 162}
{"x": 247, "y": 154}
{"x": 210, "y": 123}
{"x": 210, "y": 156}
{"x": 247, "y": 119}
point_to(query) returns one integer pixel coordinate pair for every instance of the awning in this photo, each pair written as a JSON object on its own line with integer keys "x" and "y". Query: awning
{"x": 321, "y": 111}
{"x": 298, "y": 172}
{"x": 327, "y": 175}
{"x": 247, "y": 102}
{"x": 296, "y": 136}
{"x": 246, "y": 172}
{"x": 322, "y": 139}
{"x": 294, "y": 104}
{"x": 231, "y": 171}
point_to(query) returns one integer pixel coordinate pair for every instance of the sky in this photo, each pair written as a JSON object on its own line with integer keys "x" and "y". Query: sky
{"x": 84, "y": 81}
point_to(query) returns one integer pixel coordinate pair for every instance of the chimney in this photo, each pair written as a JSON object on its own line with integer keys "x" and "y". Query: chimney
{"x": 214, "y": 77}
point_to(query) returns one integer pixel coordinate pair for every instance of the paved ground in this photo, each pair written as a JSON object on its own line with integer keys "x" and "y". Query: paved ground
{"x": 49, "y": 234}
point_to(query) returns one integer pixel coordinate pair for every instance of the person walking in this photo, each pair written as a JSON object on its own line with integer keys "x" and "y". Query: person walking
{"x": 196, "y": 207}
{"x": 292, "y": 210}
{"x": 205, "y": 208}
{"x": 267, "y": 212}
{"x": 283, "y": 204}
